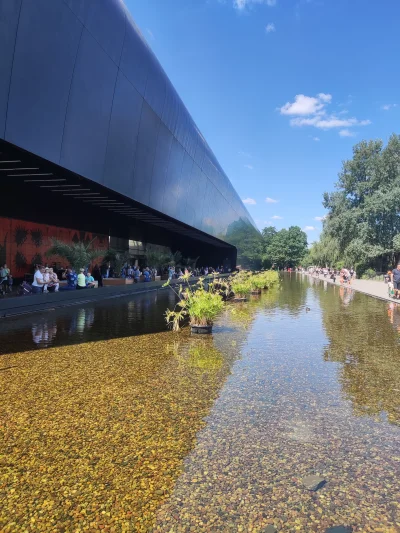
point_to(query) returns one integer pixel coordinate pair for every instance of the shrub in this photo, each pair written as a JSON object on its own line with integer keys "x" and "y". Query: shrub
{"x": 369, "y": 274}
{"x": 201, "y": 305}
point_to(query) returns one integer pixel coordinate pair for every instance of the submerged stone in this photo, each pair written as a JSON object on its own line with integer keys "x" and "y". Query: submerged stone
{"x": 270, "y": 529}
{"x": 313, "y": 482}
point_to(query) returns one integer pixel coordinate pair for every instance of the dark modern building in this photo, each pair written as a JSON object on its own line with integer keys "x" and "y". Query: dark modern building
{"x": 95, "y": 141}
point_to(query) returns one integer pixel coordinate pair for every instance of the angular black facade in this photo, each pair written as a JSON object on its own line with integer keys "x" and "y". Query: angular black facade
{"x": 83, "y": 97}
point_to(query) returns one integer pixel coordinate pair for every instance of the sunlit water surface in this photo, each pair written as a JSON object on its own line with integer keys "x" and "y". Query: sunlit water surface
{"x": 108, "y": 422}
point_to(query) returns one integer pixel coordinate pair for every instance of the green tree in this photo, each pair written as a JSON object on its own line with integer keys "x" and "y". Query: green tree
{"x": 288, "y": 247}
{"x": 324, "y": 252}
{"x": 268, "y": 233}
{"x": 364, "y": 210}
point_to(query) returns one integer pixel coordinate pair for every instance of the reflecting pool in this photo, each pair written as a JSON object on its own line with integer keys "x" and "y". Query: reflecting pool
{"x": 108, "y": 422}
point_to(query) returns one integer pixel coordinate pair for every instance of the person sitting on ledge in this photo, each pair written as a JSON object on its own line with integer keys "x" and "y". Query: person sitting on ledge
{"x": 90, "y": 284}
{"x": 38, "y": 281}
{"x": 54, "y": 283}
{"x": 81, "y": 279}
{"x": 46, "y": 279}
{"x": 71, "y": 278}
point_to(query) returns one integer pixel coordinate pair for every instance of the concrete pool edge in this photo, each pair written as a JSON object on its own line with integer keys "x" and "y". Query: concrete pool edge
{"x": 23, "y": 305}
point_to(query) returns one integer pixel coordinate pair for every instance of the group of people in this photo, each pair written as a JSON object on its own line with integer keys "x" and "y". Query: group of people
{"x": 175, "y": 273}
{"x": 393, "y": 280}
{"x": 46, "y": 280}
{"x": 344, "y": 275}
{"x": 134, "y": 272}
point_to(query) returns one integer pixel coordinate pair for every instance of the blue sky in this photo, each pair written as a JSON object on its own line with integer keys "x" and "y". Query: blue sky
{"x": 281, "y": 89}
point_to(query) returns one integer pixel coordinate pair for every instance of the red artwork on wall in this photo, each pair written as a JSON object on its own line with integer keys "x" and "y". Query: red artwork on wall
{"x": 24, "y": 244}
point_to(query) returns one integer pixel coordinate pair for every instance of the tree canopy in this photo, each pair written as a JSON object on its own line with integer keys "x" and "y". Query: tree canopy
{"x": 287, "y": 247}
{"x": 362, "y": 228}
{"x": 284, "y": 248}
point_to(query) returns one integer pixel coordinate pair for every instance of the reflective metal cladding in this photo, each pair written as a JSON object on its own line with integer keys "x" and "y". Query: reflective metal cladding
{"x": 80, "y": 87}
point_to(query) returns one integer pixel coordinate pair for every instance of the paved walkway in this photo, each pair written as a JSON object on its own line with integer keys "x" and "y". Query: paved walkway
{"x": 378, "y": 289}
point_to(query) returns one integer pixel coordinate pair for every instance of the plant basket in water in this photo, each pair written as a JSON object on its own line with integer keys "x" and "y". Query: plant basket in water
{"x": 256, "y": 291}
{"x": 201, "y": 330}
{"x": 240, "y": 299}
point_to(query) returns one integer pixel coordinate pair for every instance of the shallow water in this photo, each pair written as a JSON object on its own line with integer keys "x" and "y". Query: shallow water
{"x": 109, "y": 422}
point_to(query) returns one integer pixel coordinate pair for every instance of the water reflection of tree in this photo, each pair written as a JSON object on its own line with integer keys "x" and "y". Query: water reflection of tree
{"x": 365, "y": 342}
{"x": 293, "y": 294}
{"x": 242, "y": 313}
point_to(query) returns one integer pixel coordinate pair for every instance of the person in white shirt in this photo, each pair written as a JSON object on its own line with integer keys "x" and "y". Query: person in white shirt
{"x": 38, "y": 281}
{"x": 54, "y": 281}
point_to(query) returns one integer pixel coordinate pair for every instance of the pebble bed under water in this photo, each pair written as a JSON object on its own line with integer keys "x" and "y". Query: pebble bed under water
{"x": 131, "y": 428}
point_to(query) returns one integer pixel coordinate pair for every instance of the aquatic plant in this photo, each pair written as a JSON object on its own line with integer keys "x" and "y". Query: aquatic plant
{"x": 197, "y": 302}
{"x": 245, "y": 282}
{"x": 240, "y": 283}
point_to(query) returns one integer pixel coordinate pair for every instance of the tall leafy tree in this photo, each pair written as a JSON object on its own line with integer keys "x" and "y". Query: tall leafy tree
{"x": 288, "y": 247}
{"x": 364, "y": 210}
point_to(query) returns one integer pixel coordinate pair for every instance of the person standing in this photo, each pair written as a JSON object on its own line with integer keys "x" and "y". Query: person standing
{"x": 136, "y": 274}
{"x": 4, "y": 278}
{"x": 97, "y": 275}
{"x": 396, "y": 280}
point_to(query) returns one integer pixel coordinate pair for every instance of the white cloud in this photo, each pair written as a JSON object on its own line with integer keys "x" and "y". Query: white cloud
{"x": 316, "y": 139}
{"x": 150, "y": 33}
{"x": 346, "y": 133}
{"x": 250, "y": 167}
{"x": 329, "y": 122}
{"x": 270, "y": 27}
{"x": 249, "y": 201}
{"x": 327, "y": 98}
{"x": 304, "y": 105}
{"x": 312, "y": 111}
{"x": 386, "y": 107}
{"x": 271, "y": 200}
{"x": 320, "y": 219}
{"x": 243, "y": 4}
{"x": 244, "y": 154}
{"x": 309, "y": 228}
{"x": 276, "y": 217}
